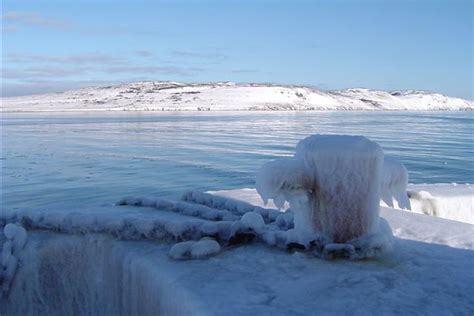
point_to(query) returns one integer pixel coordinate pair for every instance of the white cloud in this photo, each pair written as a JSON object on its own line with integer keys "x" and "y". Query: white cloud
{"x": 16, "y": 19}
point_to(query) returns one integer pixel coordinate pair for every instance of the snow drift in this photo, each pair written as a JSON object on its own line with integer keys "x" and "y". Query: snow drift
{"x": 175, "y": 96}
{"x": 452, "y": 201}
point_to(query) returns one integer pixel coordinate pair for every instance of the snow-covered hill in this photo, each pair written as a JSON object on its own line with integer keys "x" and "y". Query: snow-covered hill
{"x": 174, "y": 96}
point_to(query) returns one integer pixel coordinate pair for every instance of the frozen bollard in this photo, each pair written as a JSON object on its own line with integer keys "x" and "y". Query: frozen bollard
{"x": 332, "y": 184}
{"x": 345, "y": 193}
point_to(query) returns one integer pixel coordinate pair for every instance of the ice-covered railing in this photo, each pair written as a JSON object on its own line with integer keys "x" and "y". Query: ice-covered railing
{"x": 198, "y": 215}
{"x": 333, "y": 185}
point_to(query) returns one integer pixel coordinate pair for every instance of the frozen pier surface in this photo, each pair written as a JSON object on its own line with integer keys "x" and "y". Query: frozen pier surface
{"x": 122, "y": 266}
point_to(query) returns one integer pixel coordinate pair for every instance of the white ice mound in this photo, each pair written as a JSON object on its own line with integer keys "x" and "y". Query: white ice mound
{"x": 333, "y": 185}
{"x": 10, "y": 231}
{"x": 203, "y": 248}
{"x": 394, "y": 184}
{"x": 253, "y": 220}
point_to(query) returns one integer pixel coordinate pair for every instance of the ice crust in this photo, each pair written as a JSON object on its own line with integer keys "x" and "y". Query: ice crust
{"x": 76, "y": 271}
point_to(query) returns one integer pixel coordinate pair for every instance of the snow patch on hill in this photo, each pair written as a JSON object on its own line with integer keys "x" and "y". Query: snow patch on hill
{"x": 175, "y": 96}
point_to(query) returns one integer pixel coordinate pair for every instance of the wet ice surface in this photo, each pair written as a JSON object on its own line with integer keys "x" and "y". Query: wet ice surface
{"x": 94, "y": 159}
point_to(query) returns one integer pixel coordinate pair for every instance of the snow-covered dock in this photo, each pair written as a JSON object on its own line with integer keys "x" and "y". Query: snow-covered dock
{"x": 115, "y": 259}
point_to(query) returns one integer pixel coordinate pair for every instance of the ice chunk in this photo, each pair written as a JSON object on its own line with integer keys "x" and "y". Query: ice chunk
{"x": 194, "y": 249}
{"x": 204, "y": 248}
{"x": 253, "y": 220}
{"x": 394, "y": 184}
{"x": 9, "y": 231}
{"x": 181, "y": 250}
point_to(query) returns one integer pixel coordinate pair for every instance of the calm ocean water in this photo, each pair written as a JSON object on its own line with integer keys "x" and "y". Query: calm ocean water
{"x": 91, "y": 159}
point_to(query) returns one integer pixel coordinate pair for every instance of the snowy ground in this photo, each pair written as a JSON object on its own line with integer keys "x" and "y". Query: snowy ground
{"x": 429, "y": 271}
{"x": 451, "y": 201}
{"x": 174, "y": 96}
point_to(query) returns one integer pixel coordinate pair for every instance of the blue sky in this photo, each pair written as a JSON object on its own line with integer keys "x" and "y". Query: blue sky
{"x": 388, "y": 45}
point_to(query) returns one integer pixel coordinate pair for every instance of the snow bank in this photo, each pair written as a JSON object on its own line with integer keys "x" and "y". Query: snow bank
{"x": 451, "y": 201}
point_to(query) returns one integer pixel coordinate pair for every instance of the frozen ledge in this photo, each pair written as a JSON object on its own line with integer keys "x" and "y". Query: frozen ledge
{"x": 82, "y": 271}
{"x": 96, "y": 275}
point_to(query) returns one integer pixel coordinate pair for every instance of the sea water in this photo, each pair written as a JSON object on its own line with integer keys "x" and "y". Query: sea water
{"x": 77, "y": 159}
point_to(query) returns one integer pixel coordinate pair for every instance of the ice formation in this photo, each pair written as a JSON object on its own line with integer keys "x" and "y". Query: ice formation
{"x": 394, "y": 184}
{"x": 16, "y": 237}
{"x": 279, "y": 179}
{"x": 91, "y": 262}
{"x": 195, "y": 249}
{"x": 253, "y": 220}
{"x": 333, "y": 187}
{"x": 452, "y": 201}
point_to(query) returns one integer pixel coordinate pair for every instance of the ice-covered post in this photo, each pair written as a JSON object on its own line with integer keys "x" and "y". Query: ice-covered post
{"x": 345, "y": 190}
{"x": 332, "y": 184}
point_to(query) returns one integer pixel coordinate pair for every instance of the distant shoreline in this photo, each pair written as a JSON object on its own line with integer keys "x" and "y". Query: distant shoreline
{"x": 175, "y": 97}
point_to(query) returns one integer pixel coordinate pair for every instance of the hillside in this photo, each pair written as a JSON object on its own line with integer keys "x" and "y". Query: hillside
{"x": 174, "y": 96}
